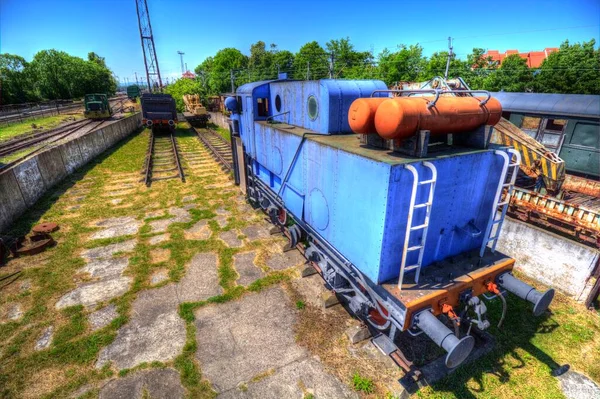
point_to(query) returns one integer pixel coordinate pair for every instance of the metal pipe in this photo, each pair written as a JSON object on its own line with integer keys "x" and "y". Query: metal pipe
{"x": 540, "y": 300}
{"x": 458, "y": 349}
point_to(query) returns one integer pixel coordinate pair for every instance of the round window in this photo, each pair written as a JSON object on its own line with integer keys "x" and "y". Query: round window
{"x": 313, "y": 107}
{"x": 278, "y": 103}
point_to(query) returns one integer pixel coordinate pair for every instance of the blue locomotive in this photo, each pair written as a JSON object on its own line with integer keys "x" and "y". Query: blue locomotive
{"x": 400, "y": 219}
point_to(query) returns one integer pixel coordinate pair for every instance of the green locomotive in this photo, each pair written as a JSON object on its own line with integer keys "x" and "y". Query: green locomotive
{"x": 133, "y": 92}
{"x": 97, "y": 106}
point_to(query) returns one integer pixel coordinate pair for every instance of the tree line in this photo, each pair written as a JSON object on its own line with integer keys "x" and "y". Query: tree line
{"x": 573, "y": 69}
{"x": 53, "y": 75}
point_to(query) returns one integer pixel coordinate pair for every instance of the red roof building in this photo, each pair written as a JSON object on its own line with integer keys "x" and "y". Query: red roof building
{"x": 188, "y": 75}
{"x": 534, "y": 58}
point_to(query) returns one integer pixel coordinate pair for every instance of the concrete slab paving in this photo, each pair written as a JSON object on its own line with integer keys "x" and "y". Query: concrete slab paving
{"x": 230, "y": 238}
{"x": 285, "y": 260}
{"x": 154, "y": 214}
{"x": 296, "y": 380}
{"x": 108, "y": 250}
{"x": 256, "y": 232}
{"x": 222, "y": 211}
{"x": 575, "y": 385}
{"x": 105, "y": 267}
{"x": 221, "y": 221}
{"x": 13, "y": 312}
{"x": 199, "y": 231}
{"x": 241, "y": 339}
{"x": 246, "y": 268}
{"x": 312, "y": 289}
{"x": 158, "y": 384}
{"x": 117, "y": 227}
{"x": 154, "y": 333}
{"x": 116, "y": 201}
{"x": 101, "y": 318}
{"x": 160, "y": 226}
{"x": 158, "y": 239}
{"x": 45, "y": 339}
{"x": 93, "y": 293}
{"x": 201, "y": 280}
{"x": 189, "y": 198}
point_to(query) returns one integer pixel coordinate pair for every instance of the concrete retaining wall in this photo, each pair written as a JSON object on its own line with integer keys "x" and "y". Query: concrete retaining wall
{"x": 219, "y": 119}
{"x": 22, "y": 185}
{"x": 553, "y": 260}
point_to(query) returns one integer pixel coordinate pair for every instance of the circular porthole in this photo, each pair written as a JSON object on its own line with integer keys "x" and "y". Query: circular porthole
{"x": 313, "y": 107}
{"x": 278, "y": 103}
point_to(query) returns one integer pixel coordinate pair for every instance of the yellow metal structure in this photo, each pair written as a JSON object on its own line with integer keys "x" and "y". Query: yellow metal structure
{"x": 536, "y": 160}
{"x": 193, "y": 105}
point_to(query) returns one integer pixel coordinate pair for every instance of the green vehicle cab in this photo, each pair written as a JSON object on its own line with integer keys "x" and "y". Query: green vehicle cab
{"x": 97, "y": 106}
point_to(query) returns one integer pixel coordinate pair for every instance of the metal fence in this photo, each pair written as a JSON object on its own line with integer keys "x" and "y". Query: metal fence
{"x": 17, "y": 113}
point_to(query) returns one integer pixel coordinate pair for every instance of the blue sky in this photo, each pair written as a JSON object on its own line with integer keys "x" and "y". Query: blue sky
{"x": 200, "y": 28}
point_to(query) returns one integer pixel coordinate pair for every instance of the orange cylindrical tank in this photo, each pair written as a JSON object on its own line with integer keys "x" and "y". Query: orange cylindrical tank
{"x": 402, "y": 117}
{"x": 362, "y": 114}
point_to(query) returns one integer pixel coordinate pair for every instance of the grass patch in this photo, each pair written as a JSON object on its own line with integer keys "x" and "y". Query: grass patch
{"x": 47, "y": 122}
{"x": 362, "y": 384}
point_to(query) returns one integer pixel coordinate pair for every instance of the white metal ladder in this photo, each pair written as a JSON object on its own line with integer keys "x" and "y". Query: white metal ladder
{"x": 494, "y": 218}
{"x": 424, "y": 226}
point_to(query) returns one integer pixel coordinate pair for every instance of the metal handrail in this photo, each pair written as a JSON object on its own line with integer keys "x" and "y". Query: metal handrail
{"x": 270, "y": 118}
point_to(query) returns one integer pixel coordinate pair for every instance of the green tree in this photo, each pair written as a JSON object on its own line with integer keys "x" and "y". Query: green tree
{"x": 311, "y": 62}
{"x": 16, "y": 84}
{"x": 260, "y": 62}
{"x": 347, "y": 62}
{"x": 404, "y": 65}
{"x": 284, "y": 60}
{"x": 573, "y": 69}
{"x": 185, "y": 86}
{"x": 218, "y": 69}
{"x": 93, "y": 57}
{"x": 513, "y": 75}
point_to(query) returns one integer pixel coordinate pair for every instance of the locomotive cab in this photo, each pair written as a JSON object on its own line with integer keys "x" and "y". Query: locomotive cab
{"x": 396, "y": 201}
{"x": 97, "y": 106}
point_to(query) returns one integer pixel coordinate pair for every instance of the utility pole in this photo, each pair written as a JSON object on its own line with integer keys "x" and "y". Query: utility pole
{"x": 150, "y": 59}
{"x": 186, "y": 66}
{"x": 181, "y": 53}
{"x": 307, "y": 70}
{"x": 331, "y": 64}
{"x": 449, "y": 57}
{"x": 136, "y": 79}
{"x": 232, "y": 84}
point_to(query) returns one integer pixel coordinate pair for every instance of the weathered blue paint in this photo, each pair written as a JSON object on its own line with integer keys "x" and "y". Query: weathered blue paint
{"x": 357, "y": 200}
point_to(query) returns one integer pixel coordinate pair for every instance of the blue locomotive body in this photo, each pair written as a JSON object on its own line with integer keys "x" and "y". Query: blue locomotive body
{"x": 371, "y": 214}
{"x": 357, "y": 198}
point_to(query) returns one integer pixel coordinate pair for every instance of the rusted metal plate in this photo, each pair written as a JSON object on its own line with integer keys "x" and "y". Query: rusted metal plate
{"x": 33, "y": 245}
{"x": 45, "y": 228}
{"x": 581, "y": 185}
{"x": 569, "y": 216}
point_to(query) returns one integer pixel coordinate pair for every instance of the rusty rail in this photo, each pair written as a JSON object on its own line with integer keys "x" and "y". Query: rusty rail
{"x": 218, "y": 146}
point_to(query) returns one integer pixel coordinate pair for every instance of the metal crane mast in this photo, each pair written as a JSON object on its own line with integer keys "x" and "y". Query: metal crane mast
{"x": 150, "y": 60}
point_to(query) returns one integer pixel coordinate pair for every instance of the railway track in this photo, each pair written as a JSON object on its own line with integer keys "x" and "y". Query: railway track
{"x": 217, "y": 145}
{"x": 162, "y": 159}
{"x": 44, "y": 140}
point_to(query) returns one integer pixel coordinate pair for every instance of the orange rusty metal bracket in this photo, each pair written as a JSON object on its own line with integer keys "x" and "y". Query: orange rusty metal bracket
{"x": 475, "y": 281}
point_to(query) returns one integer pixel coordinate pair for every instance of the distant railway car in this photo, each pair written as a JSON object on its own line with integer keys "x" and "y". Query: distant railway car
{"x": 566, "y": 124}
{"x": 133, "y": 92}
{"x": 97, "y": 106}
{"x": 158, "y": 111}
{"x": 195, "y": 113}
{"x": 401, "y": 230}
